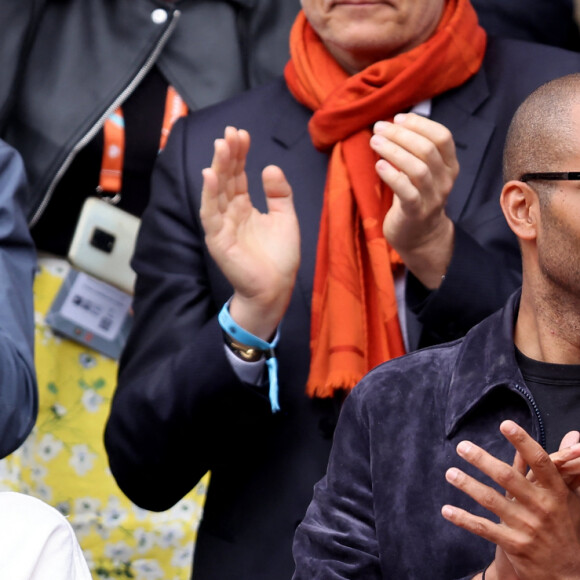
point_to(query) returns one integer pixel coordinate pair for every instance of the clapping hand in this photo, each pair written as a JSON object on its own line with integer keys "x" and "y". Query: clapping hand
{"x": 259, "y": 253}
{"x": 419, "y": 163}
{"x": 538, "y": 536}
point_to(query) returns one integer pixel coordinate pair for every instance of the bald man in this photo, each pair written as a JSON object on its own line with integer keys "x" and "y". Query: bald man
{"x": 513, "y": 383}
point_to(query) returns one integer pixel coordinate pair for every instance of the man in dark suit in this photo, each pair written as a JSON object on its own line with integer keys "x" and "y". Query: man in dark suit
{"x": 196, "y": 390}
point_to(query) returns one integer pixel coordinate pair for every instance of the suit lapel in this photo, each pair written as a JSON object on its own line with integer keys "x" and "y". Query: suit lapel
{"x": 305, "y": 169}
{"x": 471, "y": 135}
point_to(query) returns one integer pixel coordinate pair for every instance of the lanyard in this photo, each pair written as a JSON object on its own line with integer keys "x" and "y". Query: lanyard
{"x": 114, "y": 141}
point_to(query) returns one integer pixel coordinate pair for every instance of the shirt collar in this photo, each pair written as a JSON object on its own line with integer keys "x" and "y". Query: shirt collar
{"x": 486, "y": 360}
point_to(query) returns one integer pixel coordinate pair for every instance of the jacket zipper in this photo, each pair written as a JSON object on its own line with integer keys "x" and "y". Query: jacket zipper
{"x": 534, "y": 406}
{"x": 90, "y": 134}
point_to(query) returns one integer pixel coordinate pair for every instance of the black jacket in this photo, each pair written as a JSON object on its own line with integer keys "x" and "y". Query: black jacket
{"x": 377, "y": 513}
{"x": 68, "y": 64}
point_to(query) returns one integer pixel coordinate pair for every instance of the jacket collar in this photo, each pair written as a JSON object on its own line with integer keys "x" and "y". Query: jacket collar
{"x": 486, "y": 360}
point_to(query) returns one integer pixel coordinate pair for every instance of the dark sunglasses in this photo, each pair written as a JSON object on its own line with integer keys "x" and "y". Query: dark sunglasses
{"x": 566, "y": 176}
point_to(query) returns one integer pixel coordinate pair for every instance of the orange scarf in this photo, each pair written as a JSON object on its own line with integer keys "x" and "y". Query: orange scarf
{"x": 355, "y": 324}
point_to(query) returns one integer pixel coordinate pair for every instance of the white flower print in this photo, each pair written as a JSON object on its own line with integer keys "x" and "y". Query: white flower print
{"x": 87, "y": 505}
{"x": 87, "y": 361}
{"x": 81, "y": 527}
{"x": 38, "y": 472}
{"x": 43, "y": 492}
{"x": 64, "y": 508}
{"x": 147, "y": 570}
{"x": 182, "y": 557}
{"x": 49, "y": 447}
{"x": 118, "y": 552}
{"x": 9, "y": 473}
{"x": 58, "y": 410}
{"x": 145, "y": 540}
{"x": 82, "y": 459}
{"x": 184, "y": 509}
{"x": 92, "y": 400}
{"x": 26, "y": 451}
{"x": 140, "y": 513}
{"x": 169, "y": 535}
{"x": 39, "y": 321}
{"x": 113, "y": 514}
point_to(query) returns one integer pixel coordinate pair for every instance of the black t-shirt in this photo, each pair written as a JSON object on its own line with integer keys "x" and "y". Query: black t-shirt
{"x": 556, "y": 391}
{"x": 143, "y": 113}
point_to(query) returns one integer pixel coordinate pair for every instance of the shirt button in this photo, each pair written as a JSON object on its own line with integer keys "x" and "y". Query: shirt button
{"x": 159, "y": 16}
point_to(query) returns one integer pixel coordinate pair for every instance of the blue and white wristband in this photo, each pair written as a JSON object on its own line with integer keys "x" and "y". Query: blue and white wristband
{"x": 230, "y": 327}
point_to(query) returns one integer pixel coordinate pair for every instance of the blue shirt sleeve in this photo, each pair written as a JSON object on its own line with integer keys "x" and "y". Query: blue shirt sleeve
{"x": 18, "y": 389}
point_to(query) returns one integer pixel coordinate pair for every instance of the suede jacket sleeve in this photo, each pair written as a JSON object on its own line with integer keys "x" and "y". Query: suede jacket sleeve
{"x": 339, "y": 537}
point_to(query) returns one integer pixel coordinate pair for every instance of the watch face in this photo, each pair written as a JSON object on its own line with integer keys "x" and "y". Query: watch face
{"x": 249, "y": 354}
{"x": 242, "y": 351}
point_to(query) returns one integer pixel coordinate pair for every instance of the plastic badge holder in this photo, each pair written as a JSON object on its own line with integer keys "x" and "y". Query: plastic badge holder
{"x": 104, "y": 242}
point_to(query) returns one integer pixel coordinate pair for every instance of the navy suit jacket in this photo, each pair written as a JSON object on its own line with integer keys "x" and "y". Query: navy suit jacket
{"x": 180, "y": 410}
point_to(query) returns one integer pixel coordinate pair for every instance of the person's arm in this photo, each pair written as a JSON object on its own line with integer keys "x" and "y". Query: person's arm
{"x": 258, "y": 253}
{"x": 337, "y": 537}
{"x": 538, "y": 534}
{"x": 457, "y": 273}
{"x": 18, "y": 390}
{"x": 418, "y": 162}
{"x": 177, "y": 394}
{"x": 38, "y": 541}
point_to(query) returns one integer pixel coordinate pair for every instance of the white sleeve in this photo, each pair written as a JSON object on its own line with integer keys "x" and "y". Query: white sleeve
{"x": 37, "y": 542}
{"x": 247, "y": 372}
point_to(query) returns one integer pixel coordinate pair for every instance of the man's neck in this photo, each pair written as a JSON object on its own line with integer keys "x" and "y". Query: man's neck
{"x": 548, "y": 330}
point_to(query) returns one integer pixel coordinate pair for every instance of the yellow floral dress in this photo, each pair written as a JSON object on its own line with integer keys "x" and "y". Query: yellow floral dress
{"x": 64, "y": 463}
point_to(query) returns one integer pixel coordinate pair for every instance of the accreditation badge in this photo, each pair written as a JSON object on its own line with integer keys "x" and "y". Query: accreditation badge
{"x": 92, "y": 312}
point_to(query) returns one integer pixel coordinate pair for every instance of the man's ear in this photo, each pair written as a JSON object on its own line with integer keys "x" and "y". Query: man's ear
{"x": 521, "y": 208}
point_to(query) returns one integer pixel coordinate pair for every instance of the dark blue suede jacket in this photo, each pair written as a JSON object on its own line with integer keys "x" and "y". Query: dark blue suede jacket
{"x": 376, "y": 514}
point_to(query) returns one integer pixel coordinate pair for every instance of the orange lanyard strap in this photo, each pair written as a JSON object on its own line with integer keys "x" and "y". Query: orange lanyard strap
{"x": 175, "y": 108}
{"x": 111, "y": 176}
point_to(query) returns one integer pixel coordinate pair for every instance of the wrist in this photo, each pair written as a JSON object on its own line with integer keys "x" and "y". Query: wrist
{"x": 429, "y": 261}
{"x": 259, "y": 319}
{"x": 243, "y": 351}
{"x": 248, "y": 346}
{"x": 489, "y": 572}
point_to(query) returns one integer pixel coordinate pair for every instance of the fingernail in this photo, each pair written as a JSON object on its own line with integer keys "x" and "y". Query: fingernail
{"x": 464, "y": 447}
{"x": 380, "y": 126}
{"x": 447, "y": 511}
{"x": 382, "y": 165}
{"x": 400, "y": 118}
{"x": 510, "y": 427}
{"x": 451, "y": 474}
